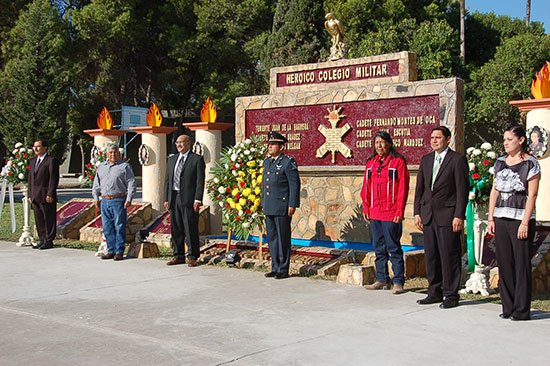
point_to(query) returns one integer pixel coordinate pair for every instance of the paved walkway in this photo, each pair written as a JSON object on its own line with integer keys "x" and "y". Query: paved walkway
{"x": 67, "y": 307}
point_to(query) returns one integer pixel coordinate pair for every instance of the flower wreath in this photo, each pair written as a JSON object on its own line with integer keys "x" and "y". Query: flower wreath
{"x": 17, "y": 166}
{"x": 237, "y": 186}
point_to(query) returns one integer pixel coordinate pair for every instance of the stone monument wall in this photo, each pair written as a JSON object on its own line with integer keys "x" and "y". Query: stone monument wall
{"x": 366, "y": 95}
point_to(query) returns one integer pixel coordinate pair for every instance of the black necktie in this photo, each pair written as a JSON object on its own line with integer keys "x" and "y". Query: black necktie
{"x": 38, "y": 160}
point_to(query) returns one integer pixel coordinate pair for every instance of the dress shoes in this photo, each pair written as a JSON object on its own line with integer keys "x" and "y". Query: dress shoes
{"x": 46, "y": 246}
{"x": 429, "y": 300}
{"x": 397, "y": 289}
{"x": 280, "y": 276}
{"x": 175, "y": 261}
{"x": 38, "y": 245}
{"x": 516, "y": 319}
{"x": 448, "y": 304}
{"x": 108, "y": 256}
{"x": 118, "y": 257}
{"x": 270, "y": 274}
{"x": 504, "y": 315}
{"x": 192, "y": 263}
{"x": 378, "y": 286}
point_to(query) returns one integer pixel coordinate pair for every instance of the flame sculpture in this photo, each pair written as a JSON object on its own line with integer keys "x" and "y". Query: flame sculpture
{"x": 208, "y": 112}
{"x": 154, "y": 117}
{"x": 104, "y": 120}
{"x": 540, "y": 87}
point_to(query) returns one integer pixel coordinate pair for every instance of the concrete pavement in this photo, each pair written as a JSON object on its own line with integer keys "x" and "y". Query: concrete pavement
{"x": 67, "y": 307}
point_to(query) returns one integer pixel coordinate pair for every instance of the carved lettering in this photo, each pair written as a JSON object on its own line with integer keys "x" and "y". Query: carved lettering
{"x": 363, "y": 144}
{"x": 301, "y": 127}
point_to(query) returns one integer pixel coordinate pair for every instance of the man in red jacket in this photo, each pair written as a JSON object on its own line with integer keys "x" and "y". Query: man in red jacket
{"x": 384, "y": 193}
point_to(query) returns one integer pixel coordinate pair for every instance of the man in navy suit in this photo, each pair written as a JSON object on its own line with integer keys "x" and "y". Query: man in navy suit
{"x": 440, "y": 200}
{"x": 280, "y": 198}
{"x": 43, "y": 181}
{"x": 183, "y": 191}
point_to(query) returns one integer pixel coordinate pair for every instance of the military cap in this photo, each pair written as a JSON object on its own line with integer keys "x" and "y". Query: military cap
{"x": 276, "y": 138}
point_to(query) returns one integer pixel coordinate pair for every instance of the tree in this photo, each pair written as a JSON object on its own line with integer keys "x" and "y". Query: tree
{"x": 35, "y": 81}
{"x": 506, "y": 77}
{"x": 528, "y": 12}
{"x": 298, "y": 35}
{"x": 437, "y": 46}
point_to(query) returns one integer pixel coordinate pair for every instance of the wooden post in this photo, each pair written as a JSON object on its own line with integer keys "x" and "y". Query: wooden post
{"x": 229, "y": 232}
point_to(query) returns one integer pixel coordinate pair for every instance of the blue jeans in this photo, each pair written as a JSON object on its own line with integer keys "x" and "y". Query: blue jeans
{"x": 386, "y": 236}
{"x": 113, "y": 216}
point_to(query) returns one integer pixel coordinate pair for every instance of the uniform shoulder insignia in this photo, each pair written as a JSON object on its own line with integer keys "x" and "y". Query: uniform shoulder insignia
{"x": 293, "y": 163}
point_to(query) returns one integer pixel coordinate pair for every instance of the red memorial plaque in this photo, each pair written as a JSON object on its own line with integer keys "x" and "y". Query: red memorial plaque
{"x": 371, "y": 70}
{"x": 347, "y": 129}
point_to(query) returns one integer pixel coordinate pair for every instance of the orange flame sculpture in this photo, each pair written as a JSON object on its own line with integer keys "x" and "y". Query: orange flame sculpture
{"x": 208, "y": 112}
{"x": 154, "y": 117}
{"x": 540, "y": 87}
{"x": 105, "y": 121}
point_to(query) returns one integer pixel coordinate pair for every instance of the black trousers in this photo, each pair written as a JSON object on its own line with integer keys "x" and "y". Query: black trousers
{"x": 45, "y": 218}
{"x": 442, "y": 249}
{"x": 514, "y": 267}
{"x": 278, "y": 236}
{"x": 184, "y": 224}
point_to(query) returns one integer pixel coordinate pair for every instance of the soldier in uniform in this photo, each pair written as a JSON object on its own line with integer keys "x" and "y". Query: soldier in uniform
{"x": 280, "y": 198}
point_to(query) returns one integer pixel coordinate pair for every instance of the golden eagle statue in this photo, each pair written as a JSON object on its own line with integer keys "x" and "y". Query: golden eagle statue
{"x": 336, "y": 31}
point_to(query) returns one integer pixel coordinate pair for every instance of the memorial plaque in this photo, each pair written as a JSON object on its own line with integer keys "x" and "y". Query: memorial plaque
{"x": 363, "y": 71}
{"x": 347, "y": 128}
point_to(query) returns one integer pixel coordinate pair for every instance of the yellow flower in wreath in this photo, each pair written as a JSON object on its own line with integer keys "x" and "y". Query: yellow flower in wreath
{"x": 259, "y": 179}
{"x": 246, "y": 192}
{"x": 242, "y": 201}
{"x": 235, "y": 192}
{"x": 254, "y": 183}
{"x": 257, "y": 202}
{"x": 257, "y": 190}
{"x": 253, "y": 208}
{"x": 251, "y": 163}
{"x": 252, "y": 198}
{"x": 238, "y": 206}
{"x": 242, "y": 174}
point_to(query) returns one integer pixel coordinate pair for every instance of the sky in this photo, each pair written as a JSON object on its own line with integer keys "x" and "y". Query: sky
{"x": 540, "y": 9}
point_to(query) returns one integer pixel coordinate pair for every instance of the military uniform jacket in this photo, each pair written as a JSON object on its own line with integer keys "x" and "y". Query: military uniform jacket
{"x": 281, "y": 185}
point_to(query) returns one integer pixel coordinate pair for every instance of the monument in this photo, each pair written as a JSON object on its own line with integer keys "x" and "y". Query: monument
{"x": 329, "y": 112}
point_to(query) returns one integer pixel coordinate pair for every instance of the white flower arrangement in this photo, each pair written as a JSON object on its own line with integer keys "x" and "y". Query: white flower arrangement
{"x": 476, "y": 152}
{"x": 472, "y": 166}
{"x": 486, "y": 146}
{"x": 18, "y": 145}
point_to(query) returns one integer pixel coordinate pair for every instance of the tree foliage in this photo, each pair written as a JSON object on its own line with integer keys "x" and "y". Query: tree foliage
{"x": 506, "y": 77}
{"x": 36, "y": 79}
{"x": 298, "y": 34}
{"x": 95, "y": 53}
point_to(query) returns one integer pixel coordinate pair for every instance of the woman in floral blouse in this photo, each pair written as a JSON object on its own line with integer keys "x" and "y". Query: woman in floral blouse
{"x": 512, "y": 221}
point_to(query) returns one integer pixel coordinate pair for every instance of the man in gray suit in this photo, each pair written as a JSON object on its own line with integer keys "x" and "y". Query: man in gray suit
{"x": 183, "y": 191}
{"x": 280, "y": 198}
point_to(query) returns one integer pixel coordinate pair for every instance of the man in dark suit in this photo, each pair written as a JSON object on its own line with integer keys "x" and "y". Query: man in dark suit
{"x": 440, "y": 202}
{"x": 280, "y": 198}
{"x": 183, "y": 191}
{"x": 43, "y": 181}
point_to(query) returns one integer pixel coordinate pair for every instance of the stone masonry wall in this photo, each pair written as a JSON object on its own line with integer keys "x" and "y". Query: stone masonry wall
{"x": 330, "y": 202}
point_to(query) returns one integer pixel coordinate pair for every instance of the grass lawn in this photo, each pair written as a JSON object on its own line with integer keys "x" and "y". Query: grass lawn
{"x": 541, "y": 301}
